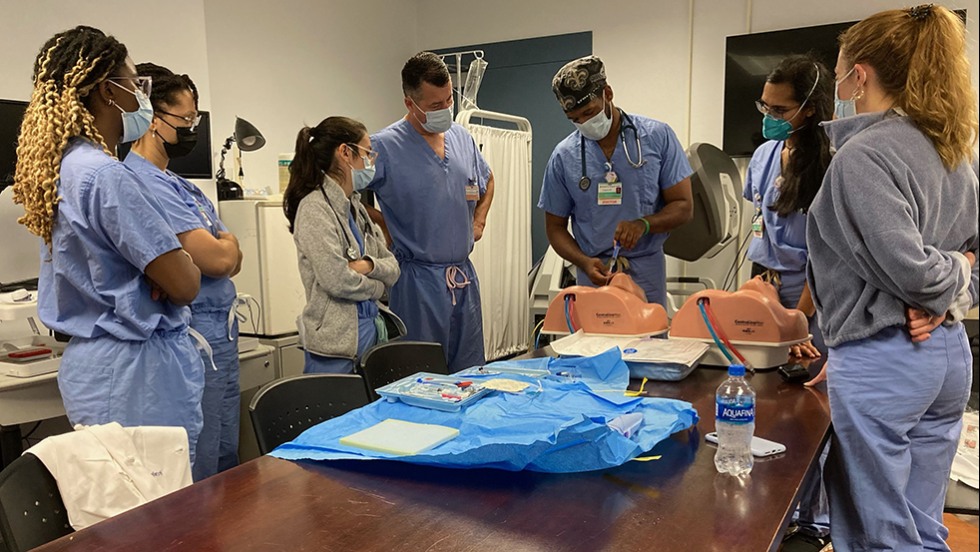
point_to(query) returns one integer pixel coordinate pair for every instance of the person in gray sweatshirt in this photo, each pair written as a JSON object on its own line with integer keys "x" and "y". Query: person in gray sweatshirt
{"x": 892, "y": 239}
{"x": 344, "y": 262}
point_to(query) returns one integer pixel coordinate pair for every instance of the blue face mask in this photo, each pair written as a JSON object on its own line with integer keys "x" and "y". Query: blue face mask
{"x": 844, "y": 108}
{"x": 135, "y": 123}
{"x": 437, "y": 121}
{"x": 776, "y": 129}
{"x": 361, "y": 178}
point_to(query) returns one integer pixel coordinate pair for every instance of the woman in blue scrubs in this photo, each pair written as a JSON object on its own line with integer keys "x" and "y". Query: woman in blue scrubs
{"x": 893, "y": 232}
{"x": 173, "y": 133}
{"x": 782, "y": 179}
{"x": 784, "y": 176}
{"x": 344, "y": 261}
{"x": 113, "y": 274}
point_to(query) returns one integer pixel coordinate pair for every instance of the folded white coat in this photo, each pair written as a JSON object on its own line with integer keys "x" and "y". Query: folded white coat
{"x": 104, "y": 470}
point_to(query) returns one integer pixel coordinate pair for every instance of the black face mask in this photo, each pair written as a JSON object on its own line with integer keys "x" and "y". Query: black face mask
{"x": 186, "y": 140}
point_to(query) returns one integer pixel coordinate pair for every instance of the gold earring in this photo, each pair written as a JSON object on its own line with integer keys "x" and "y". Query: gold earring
{"x": 859, "y": 94}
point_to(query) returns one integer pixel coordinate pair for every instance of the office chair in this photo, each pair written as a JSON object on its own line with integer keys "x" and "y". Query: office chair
{"x": 31, "y": 510}
{"x": 395, "y": 360}
{"x": 284, "y": 408}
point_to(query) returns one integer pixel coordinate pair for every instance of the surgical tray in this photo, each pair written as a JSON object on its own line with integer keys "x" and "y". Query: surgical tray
{"x": 435, "y": 391}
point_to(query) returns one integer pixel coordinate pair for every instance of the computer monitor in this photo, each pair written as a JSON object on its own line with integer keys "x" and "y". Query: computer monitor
{"x": 196, "y": 164}
{"x": 11, "y": 114}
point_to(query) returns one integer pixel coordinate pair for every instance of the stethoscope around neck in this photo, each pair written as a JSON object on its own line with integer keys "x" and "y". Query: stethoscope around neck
{"x": 353, "y": 251}
{"x": 625, "y": 122}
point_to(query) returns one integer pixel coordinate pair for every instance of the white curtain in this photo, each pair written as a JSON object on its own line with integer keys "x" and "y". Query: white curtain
{"x": 503, "y": 257}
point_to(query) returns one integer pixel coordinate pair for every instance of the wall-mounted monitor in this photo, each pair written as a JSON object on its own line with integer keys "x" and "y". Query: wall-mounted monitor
{"x": 749, "y": 58}
{"x": 198, "y": 164}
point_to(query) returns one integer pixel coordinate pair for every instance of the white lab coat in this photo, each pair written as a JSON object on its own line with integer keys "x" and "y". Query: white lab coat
{"x": 104, "y": 470}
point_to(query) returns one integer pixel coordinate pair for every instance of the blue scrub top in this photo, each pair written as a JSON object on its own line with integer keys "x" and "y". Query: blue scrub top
{"x": 109, "y": 226}
{"x": 783, "y": 243}
{"x": 188, "y": 209}
{"x": 594, "y": 225}
{"x": 423, "y": 197}
{"x": 368, "y": 309}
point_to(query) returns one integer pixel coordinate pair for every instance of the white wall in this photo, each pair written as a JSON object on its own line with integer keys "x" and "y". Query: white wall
{"x": 664, "y": 58}
{"x": 281, "y": 65}
{"x": 278, "y": 65}
{"x": 26, "y": 26}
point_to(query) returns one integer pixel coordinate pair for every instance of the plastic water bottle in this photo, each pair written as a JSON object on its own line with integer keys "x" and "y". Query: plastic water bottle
{"x": 734, "y": 423}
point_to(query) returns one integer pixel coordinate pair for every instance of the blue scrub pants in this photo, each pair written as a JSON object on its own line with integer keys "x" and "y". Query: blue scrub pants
{"x": 367, "y": 337}
{"x": 649, "y": 272}
{"x": 422, "y": 300}
{"x": 897, "y": 408}
{"x": 217, "y": 447}
{"x": 156, "y": 382}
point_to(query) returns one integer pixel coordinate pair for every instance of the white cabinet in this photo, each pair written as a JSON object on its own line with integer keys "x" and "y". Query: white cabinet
{"x": 270, "y": 270}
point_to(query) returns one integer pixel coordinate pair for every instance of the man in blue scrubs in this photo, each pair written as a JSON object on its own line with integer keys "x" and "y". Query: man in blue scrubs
{"x": 435, "y": 190}
{"x": 620, "y": 178}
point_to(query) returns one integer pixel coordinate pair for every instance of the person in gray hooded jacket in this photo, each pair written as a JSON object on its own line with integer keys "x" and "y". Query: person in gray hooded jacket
{"x": 893, "y": 237}
{"x": 343, "y": 260}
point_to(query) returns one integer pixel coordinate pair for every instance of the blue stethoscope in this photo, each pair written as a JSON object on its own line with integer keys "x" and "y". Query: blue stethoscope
{"x": 625, "y": 122}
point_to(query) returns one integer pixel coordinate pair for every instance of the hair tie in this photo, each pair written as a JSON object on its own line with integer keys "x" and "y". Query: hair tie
{"x": 920, "y": 13}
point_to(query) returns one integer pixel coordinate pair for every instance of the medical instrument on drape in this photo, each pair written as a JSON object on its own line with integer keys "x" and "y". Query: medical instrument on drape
{"x": 353, "y": 251}
{"x": 625, "y": 123}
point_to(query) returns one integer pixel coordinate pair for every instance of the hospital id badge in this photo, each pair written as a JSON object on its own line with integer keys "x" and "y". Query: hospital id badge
{"x": 472, "y": 192}
{"x": 757, "y": 225}
{"x": 610, "y": 193}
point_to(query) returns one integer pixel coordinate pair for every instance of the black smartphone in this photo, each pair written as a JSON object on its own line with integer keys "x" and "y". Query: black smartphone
{"x": 793, "y": 373}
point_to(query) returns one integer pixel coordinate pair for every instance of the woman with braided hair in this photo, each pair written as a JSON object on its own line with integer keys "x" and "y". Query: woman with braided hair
{"x": 113, "y": 274}
{"x": 173, "y": 133}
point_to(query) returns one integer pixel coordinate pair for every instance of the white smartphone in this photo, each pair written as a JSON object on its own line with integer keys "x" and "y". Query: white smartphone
{"x": 760, "y": 447}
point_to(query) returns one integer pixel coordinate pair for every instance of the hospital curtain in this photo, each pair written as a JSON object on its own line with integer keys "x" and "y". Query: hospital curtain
{"x": 503, "y": 257}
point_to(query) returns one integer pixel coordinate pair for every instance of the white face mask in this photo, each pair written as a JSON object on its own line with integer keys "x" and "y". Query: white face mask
{"x": 598, "y": 126}
{"x": 437, "y": 121}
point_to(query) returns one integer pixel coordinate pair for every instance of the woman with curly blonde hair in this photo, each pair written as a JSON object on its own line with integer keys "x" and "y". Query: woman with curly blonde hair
{"x": 893, "y": 239}
{"x": 113, "y": 274}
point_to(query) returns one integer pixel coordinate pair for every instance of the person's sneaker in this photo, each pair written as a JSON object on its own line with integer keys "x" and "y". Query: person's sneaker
{"x": 801, "y": 541}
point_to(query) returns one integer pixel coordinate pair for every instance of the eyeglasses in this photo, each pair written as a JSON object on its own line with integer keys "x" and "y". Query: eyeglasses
{"x": 192, "y": 122}
{"x": 370, "y": 154}
{"x": 774, "y": 111}
{"x": 143, "y": 84}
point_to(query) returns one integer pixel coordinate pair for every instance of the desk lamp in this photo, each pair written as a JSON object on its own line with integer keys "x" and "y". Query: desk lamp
{"x": 248, "y": 138}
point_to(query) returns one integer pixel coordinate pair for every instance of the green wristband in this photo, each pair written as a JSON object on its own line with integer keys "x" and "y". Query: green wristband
{"x": 646, "y": 224}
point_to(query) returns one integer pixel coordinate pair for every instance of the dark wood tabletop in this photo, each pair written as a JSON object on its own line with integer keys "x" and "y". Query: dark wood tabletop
{"x": 676, "y": 502}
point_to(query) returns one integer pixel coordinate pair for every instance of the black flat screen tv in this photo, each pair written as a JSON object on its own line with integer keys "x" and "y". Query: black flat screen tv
{"x": 750, "y": 57}
{"x": 196, "y": 165}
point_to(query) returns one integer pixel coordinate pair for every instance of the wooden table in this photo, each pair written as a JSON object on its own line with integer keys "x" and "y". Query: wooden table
{"x": 678, "y": 502}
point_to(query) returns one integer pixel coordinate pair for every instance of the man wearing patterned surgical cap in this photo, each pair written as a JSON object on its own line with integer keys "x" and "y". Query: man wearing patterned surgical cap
{"x": 623, "y": 180}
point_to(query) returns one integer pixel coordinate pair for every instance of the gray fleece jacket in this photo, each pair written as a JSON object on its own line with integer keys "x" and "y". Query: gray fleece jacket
{"x": 887, "y": 229}
{"x": 328, "y": 324}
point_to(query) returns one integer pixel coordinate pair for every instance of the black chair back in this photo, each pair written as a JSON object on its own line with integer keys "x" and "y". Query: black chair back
{"x": 31, "y": 510}
{"x": 284, "y": 408}
{"x": 395, "y": 360}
